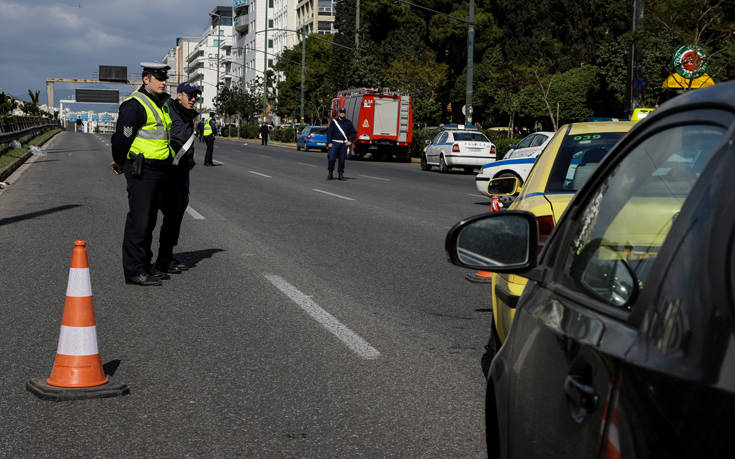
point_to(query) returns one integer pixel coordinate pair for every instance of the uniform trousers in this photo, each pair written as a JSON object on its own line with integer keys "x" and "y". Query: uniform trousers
{"x": 174, "y": 198}
{"x": 209, "y": 140}
{"x": 338, "y": 151}
{"x": 143, "y": 201}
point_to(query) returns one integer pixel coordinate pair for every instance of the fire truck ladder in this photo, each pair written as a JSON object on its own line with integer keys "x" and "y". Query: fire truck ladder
{"x": 403, "y": 119}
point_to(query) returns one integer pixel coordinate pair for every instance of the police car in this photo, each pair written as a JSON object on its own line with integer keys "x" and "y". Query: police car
{"x": 457, "y": 146}
{"x": 517, "y": 163}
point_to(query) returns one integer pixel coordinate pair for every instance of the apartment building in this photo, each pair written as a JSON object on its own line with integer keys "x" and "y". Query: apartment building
{"x": 209, "y": 63}
{"x": 316, "y": 15}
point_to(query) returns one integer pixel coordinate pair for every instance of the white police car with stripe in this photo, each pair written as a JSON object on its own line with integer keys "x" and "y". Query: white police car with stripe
{"x": 457, "y": 147}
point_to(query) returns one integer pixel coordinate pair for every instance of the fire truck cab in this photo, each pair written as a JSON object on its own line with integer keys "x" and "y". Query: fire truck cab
{"x": 382, "y": 118}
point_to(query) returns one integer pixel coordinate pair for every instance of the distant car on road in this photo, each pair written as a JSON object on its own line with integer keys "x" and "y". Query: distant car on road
{"x": 457, "y": 147}
{"x": 622, "y": 345}
{"x": 312, "y": 137}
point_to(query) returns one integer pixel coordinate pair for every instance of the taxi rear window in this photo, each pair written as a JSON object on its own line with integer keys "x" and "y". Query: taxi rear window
{"x": 578, "y": 157}
{"x": 471, "y": 136}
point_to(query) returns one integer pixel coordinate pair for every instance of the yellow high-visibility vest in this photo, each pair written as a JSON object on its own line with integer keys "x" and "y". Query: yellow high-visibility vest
{"x": 153, "y": 138}
{"x": 207, "y": 127}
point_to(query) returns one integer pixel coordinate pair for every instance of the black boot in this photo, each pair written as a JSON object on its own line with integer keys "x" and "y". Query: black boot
{"x": 330, "y": 176}
{"x": 340, "y": 177}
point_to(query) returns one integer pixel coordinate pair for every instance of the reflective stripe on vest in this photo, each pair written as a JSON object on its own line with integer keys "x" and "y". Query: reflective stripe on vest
{"x": 152, "y": 139}
{"x": 207, "y": 127}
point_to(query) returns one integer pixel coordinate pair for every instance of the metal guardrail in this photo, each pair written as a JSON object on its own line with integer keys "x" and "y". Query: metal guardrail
{"x": 16, "y": 127}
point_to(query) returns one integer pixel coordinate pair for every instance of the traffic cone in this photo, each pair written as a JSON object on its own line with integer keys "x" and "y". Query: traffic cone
{"x": 486, "y": 277}
{"x": 77, "y": 372}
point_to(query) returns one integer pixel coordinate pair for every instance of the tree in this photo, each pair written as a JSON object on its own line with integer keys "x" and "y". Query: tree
{"x": 31, "y": 108}
{"x": 7, "y": 104}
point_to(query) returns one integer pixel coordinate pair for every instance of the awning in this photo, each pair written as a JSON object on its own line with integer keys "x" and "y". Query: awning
{"x": 676, "y": 81}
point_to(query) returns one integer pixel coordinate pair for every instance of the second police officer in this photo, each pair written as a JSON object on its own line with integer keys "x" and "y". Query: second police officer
{"x": 141, "y": 151}
{"x": 209, "y": 134}
{"x": 340, "y": 135}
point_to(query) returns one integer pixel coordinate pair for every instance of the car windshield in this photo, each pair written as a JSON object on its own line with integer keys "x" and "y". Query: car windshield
{"x": 472, "y": 136}
{"x": 578, "y": 157}
{"x": 319, "y": 130}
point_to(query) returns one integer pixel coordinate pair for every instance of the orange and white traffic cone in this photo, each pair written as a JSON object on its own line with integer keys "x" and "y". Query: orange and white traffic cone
{"x": 77, "y": 372}
{"x": 486, "y": 277}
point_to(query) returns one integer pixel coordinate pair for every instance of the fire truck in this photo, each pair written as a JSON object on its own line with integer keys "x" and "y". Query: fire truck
{"x": 382, "y": 118}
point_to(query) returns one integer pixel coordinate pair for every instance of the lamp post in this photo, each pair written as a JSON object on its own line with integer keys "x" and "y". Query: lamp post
{"x": 470, "y": 50}
{"x": 219, "y": 21}
{"x": 265, "y": 60}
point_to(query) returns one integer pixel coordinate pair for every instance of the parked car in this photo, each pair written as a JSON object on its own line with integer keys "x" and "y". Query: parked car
{"x": 622, "y": 344}
{"x": 455, "y": 147}
{"x": 566, "y": 163}
{"x": 516, "y": 163}
{"x": 312, "y": 137}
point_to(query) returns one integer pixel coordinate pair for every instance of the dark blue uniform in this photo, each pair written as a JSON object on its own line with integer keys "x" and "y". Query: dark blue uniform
{"x": 175, "y": 191}
{"x": 338, "y": 141}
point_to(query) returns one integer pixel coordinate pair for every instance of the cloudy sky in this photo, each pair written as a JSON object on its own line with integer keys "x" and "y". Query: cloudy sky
{"x": 70, "y": 38}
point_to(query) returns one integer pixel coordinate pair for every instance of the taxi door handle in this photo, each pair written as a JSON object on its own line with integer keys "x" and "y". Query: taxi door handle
{"x": 582, "y": 398}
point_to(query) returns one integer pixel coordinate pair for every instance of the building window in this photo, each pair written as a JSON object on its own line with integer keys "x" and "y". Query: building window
{"x": 270, "y": 43}
{"x": 270, "y": 3}
{"x": 270, "y": 63}
{"x": 270, "y": 23}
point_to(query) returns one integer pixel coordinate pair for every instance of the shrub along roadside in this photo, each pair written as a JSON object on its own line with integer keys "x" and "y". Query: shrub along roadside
{"x": 11, "y": 155}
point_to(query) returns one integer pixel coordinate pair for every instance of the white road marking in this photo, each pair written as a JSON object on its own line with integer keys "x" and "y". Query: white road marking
{"x": 305, "y": 164}
{"x": 195, "y": 215}
{"x": 351, "y": 339}
{"x": 258, "y": 173}
{"x": 375, "y": 178}
{"x": 332, "y": 194}
{"x": 218, "y": 163}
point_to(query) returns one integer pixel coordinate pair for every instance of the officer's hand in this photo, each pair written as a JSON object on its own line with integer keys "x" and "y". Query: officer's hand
{"x": 329, "y": 145}
{"x": 116, "y": 168}
{"x": 348, "y": 143}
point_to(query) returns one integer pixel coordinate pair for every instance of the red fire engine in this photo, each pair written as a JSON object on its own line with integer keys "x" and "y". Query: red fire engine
{"x": 382, "y": 118}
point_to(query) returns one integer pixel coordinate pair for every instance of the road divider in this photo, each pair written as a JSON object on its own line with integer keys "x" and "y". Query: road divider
{"x": 348, "y": 337}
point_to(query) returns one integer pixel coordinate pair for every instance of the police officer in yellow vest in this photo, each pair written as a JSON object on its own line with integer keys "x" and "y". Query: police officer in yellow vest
{"x": 209, "y": 138}
{"x": 141, "y": 151}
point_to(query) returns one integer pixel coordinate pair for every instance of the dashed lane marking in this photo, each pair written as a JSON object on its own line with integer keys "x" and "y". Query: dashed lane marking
{"x": 258, "y": 173}
{"x": 332, "y": 194}
{"x": 194, "y": 214}
{"x": 375, "y": 178}
{"x": 306, "y": 164}
{"x": 218, "y": 163}
{"x": 350, "y": 339}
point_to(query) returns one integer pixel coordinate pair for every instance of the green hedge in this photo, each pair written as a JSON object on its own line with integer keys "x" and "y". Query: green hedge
{"x": 418, "y": 141}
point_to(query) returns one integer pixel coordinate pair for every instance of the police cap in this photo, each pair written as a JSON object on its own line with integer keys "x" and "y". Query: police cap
{"x": 156, "y": 69}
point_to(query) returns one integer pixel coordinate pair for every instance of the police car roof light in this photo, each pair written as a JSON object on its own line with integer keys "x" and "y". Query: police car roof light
{"x": 468, "y": 127}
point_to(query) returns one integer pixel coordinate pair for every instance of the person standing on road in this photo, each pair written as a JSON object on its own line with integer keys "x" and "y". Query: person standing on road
{"x": 175, "y": 190}
{"x": 141, "y": 151}
{"x": 264, "y": 133}
{"x": 340, "y": 135}
{"x": 208, "y": 133}
{"x": 200, "y": 130}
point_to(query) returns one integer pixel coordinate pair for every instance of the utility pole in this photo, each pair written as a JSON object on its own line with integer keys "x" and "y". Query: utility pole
{"x": 265, "y": 61}
{"x": 303, "y": 68}
{"x": 631, "y": 98}
{"x": 470, "y": 63}
{"x": 219, "y": 39}
{"x": 357, "y": 25}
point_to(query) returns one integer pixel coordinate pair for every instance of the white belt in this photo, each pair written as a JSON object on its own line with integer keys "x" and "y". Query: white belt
{"x": 339, "y": 141}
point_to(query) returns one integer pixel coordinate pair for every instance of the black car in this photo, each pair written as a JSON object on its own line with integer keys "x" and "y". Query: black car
{"x": 623, "y": 343}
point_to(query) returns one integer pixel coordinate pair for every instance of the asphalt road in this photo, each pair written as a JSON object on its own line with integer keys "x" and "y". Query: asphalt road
{"x": 319, "y": 318}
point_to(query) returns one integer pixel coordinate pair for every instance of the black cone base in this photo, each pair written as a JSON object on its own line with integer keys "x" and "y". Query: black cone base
{"x": 59, "y": 394}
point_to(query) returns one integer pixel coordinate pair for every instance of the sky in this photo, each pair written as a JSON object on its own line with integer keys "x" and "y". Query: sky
{"x": 72, "y": 38}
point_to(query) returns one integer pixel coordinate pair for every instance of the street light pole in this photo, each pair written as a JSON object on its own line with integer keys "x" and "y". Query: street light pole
{"x": 265, "y": 61}
{"x": 303, "y": 69}
{"x": 470, "y": 63}
{"x": 357, "y": 25}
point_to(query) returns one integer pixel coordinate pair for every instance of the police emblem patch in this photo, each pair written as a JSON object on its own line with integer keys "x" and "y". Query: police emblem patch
{"x": 128, "y": 131}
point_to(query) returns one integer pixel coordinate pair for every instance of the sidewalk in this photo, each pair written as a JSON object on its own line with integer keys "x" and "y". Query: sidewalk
{"x": 257, "y": 141}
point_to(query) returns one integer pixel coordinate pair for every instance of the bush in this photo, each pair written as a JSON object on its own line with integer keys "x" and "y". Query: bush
{"x": 250, "y": 131}
{"x": 418, "y": 141}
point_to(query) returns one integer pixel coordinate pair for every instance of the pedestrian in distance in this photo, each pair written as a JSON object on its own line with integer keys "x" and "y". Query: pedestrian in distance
{"x": 200, "y": 130}
{"x": 208, "y": 133}
{"x": 141, "y": 150}
{"x": 264, "y": 133}
{"x": 175, "y": 190}
{"x": 340, "y": 135}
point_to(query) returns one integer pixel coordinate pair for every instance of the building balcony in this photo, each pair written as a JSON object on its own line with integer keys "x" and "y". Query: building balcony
{"x": 241, "y": 23}
{"x": 195, "y": 55}
{"x": 196, "y": 75}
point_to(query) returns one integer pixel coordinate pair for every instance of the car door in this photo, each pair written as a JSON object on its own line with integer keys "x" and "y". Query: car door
{"x": 435, "y": 148}
{"x": 573, "y": 331}
{"x": 522, "y": 149}
{"x": 537, "y": 144}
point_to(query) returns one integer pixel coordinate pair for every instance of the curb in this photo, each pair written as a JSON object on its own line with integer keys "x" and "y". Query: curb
{"x": 10, "y": 168}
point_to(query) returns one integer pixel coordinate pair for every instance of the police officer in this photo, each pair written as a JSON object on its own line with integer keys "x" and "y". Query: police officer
{"x": 209, "y": 138}
{"x": 141, "y": 150}
{"x": 340, "y": 135}
{"x": 175, "y": 189}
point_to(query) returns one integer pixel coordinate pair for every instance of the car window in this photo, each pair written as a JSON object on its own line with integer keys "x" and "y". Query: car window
{"x": 632, "y": 211}
{"x": 471, "y": 136}
{"x": 305, "y": 131}
{"x": 538, "y": 140}
{"x": 436, "y": 139}
{"x": 525, "y": 143}
{"x": 443, "y": 137}
{"x": 319, "y": 130}
{"x": 577, "y": 158}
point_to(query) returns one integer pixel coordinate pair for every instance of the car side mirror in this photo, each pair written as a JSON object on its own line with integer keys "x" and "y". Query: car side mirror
{"x": 511, "y": 146}
{"x": 502, "y": 242}
{"x": 427, "y": 142}
{"x": 504, "y": 186}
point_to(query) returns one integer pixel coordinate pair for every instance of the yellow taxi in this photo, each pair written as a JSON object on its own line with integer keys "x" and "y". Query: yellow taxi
{"x": 568, "y": 160}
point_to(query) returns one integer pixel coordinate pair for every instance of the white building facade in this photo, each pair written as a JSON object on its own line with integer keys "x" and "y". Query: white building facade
{"x": 316, "y": 15}
{"x": 210, "y": 58}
